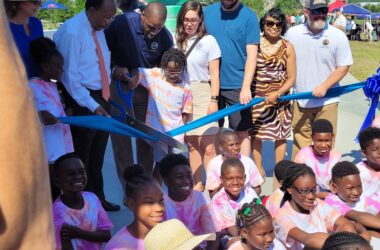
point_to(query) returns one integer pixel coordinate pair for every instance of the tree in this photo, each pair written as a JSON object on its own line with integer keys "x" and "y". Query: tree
{"x": 289, "y": 7}
{"x": 256, "y": 5}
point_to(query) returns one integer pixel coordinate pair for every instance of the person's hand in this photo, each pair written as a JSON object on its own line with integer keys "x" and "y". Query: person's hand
{"x": 319, "y": 91}
{"x": 121, "y": 74}
{"x": 271, "y": 98}
{"x": 133, "y": 81}
{"x": 68, "y": 232}
{"x": 212, "y": 107}
{"x": 245, "y": 96}
{"x": 48, "y": 118}
{"x": 101, "y": 111}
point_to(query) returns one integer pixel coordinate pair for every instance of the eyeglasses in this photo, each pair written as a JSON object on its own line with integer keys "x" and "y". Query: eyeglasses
{"x": 319, "y": 11}
{"x": 305, "y": 192}
{"x": 172, "y": 73}
{"x": 270, "y": 24}
{"x": 192, "y": 21}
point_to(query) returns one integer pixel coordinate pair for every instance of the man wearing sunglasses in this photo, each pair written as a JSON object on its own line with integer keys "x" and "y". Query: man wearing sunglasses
{"x": 323, "y": 58}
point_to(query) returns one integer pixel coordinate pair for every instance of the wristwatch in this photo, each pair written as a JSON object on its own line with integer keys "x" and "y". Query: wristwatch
{"x": 215, "y": 98}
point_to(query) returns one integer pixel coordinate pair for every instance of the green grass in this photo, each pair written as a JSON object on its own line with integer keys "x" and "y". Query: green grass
{"x": 366, "y": 59}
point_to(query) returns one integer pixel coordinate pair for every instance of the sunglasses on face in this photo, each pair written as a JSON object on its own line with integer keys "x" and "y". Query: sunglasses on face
{"x": 319, "y": 11}
{"x": 172, "y": 73}
{"x": 305, "y": 192}
{"x": 270, "y": 24}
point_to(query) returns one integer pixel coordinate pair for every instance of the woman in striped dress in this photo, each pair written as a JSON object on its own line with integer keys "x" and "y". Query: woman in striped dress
{"x": 275, "y": 75}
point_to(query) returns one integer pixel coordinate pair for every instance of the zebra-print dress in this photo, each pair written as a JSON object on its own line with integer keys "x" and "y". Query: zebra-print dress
{"x": 270, "y": 121}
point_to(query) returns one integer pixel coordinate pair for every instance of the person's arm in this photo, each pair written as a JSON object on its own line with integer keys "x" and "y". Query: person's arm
{"x": 71, "y": 232}
{"x": 291, "y": 72}
{"x": 257, "y": 190}
{"x": 334, "y": 77}
{"x": 232, "y": 231}
{"x": 215, "y": 85}
{"x": 213, "y": 192}
{"x": 47, "y": 118}
{"x": 186, "y": 117}
{"x": 366, "y": 219}
{"x": 249, "y": 71}
{"x": 66, "y": 245}
{"x": 311, "y": 240}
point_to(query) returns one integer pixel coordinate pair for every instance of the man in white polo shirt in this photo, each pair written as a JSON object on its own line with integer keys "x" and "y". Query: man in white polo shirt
{"x": 323, "y": 58}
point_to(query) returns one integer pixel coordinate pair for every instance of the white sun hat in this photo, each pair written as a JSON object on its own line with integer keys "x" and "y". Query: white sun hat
{"x": 173, "y": 235}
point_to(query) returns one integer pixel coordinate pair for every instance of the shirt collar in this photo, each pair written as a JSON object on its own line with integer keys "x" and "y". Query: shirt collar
{"x": 306, "y": 31}
{"x": 86, "y": 23}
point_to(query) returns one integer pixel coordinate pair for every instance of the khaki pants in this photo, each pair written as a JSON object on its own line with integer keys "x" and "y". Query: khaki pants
{"x": 302, "y": 120}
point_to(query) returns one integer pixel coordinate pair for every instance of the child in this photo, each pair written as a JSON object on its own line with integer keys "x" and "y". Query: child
{"x": 255, "y": 227}
{"x": 346, "y": 241}
{"x": 347, "y": 196}
{"x": 79, "y": 218}
{"x": 170, "y": 101}
{"x": 182, "y": 202}
{"x": 273, "y": 202}
{"x": 369, "y": 140}
{"x": 145, "y": 199}
{"x": 231, "y": 197}
{"x": 303, "y": 220}
{"x": 230, "y": 147}
{"x": 57, "y": 136}
{"x": 320, "y": 156}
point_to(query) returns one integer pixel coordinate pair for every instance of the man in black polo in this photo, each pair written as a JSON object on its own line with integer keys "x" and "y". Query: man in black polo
{"x": 136, "y": 40}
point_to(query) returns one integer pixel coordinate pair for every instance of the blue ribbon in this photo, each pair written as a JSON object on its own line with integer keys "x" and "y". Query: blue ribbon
{"x": 333, "y": 92}
{"x": 372, "y": 91}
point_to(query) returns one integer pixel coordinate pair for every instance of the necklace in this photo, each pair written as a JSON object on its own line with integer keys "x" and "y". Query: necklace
{"x": 268, "y": 47}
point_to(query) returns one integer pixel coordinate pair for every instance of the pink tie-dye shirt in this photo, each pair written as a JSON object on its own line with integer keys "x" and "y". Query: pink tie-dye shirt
{"x": 223, "y": 209}
{"x": 253, "y": 176}
{"x": 57, "y": 137}
{"x": 123, "y": 240}
{"x": 274, "y": 201}
{"x": 321, "y": 218}
{"x": 365, "y": 204}
{"x": 276, "y": 245}
{"x": 91, "y": 217}
{"x": 370, "y": 180}
{"x": 193, "y": 212}
{"x": 321, "y": 165}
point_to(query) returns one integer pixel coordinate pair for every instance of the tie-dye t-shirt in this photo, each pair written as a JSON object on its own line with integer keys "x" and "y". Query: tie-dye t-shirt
{"x": 370, "y": 180}
{"x": 253, "y": 176}
{"x": 193, "y": 212}
{"x": 321, "y": 165}
{"x": 276, "y": 245}
{"x": 223, "y": 209}
{"x": 167, "y": 102}
{"x": 321, "y": 218}
{"x": 365, "y": 204}
{"x": 274, "y": 201}
{"x": 91, "y": 217}
{"x": 57, "y": 137}
{"x": 123, "y": 240}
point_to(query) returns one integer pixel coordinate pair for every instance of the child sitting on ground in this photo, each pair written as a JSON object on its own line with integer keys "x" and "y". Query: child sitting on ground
{"x": 79, "y": 218}
{"x": 145, "y": 199}
{"x": 304, "y": 220}
{"x": 369, "y": 140}
{"x": 170, "y": 101}
{"x": 230, "y": 147}
{"x": 272, "y": 203}
{"x": 234, "y": 193}
{"x": 256, "y": 230}
{"x": 57, "y": 136}
{"x": 182, "y": 202}
{"x": 347, "y": 198}
{"x": 320, "y": 156}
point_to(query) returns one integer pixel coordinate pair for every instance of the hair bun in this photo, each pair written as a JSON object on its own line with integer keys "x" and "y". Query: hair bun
{"x": 133, "y": 171}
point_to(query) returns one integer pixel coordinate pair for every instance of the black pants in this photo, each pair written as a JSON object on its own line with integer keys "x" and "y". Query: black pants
{"x": 90, "y": 145}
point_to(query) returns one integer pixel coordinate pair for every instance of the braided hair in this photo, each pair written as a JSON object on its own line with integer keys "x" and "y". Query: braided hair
{"x": 345, "y": 241}
{"x": 174, "y": 55}
{"x": 294, "y": 171}
{"x": 249, "y": 214}
{"x": 136, "y": 178}
{"x": 342, "y": 169}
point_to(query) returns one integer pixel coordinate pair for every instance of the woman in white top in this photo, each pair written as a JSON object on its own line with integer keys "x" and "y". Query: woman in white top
{"x": 203, "y": 69}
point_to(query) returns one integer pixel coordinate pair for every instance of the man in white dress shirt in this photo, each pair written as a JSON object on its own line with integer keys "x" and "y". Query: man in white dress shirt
{"x": 86, "y": 78}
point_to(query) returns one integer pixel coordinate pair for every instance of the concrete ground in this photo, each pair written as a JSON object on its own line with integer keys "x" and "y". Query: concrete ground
{"x": 353, "y": 108}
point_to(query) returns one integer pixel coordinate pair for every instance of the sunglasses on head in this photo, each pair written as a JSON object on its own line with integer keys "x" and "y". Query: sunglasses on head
{"x": 270, "y": 24}
{"x": 319, "y": 11}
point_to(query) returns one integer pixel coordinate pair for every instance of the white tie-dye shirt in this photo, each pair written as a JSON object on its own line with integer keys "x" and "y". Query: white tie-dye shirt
{"x": 370, "y": 180}
{"x": 365, "y": 204}
{"x": 123, "y": 240}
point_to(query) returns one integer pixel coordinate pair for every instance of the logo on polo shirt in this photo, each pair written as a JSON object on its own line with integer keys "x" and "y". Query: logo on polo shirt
{"x": 326, "y": 41}
{"x": 154, "y": 46}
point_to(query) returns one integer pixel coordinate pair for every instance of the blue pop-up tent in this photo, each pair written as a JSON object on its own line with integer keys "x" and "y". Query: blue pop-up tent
{"x": 50, "y": 5}
{"x": 356, "y": 10}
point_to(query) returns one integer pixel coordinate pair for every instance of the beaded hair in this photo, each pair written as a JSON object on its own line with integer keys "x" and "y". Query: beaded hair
{"x": 345, "y": 241}
{"x": 250, "y": 214}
